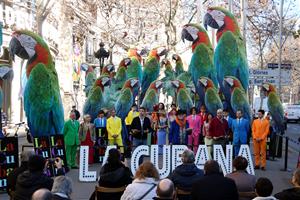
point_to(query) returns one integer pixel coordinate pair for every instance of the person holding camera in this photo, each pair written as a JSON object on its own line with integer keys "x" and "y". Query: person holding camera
{"x": 34, "y": 178}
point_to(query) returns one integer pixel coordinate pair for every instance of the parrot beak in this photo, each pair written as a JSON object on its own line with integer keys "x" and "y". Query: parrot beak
{"x": 266, "y": 87}
{"x": 175, "y": 84}
{"x": 174, "y": 57}
{"x": 164, "y": 61}
{"x": 162, "y": 51}
{"x": 143, "y": 52}
{"x": 15, "y": 48}
{"x": 193, "y": 89}
{"x": 127, "y": 61}
{"x": 214, "y": 19}
{"x": 189, "y": 33}
{"x": 22, "y": 46}
{"x": 134, "y": 82}
{"x": 203, "y": 81}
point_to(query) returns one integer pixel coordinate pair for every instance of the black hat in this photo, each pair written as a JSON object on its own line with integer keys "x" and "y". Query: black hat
{"x": 36, "y": 163}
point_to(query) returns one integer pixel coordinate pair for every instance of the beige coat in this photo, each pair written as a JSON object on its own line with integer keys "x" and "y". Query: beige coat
{"x": 83, "y": 128}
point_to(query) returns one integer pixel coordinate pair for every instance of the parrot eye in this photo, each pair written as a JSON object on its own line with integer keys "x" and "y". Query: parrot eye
{"x": 28, "y": 43}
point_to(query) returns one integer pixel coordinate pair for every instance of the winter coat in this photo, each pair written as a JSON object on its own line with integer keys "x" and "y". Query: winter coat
{"x": 138, "y": 188}
{"x": 185, "y": 175}
{"x": 28, "y": 182}
{"x": 289, "y": 194}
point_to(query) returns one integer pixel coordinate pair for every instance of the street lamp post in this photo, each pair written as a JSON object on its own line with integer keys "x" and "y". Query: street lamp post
{"x": 280, "y": 45}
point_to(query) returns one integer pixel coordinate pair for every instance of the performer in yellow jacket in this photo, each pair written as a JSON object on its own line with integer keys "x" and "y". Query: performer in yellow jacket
{"x": 260, "y": 131}
{"x": 114, "y": 129}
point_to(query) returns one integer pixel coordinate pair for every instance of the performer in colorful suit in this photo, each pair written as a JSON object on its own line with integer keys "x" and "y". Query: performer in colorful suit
{"x": 240, "y": 128}
{"x": 179, "y": 129}
{"x": 194, "y": 121}
{"x": 114, "y": 128}
{"x": 260, "y": 131}
{"x": 71, "y": 137}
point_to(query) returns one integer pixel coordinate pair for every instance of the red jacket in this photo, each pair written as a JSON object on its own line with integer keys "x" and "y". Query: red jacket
{"x": 218, "y": 128}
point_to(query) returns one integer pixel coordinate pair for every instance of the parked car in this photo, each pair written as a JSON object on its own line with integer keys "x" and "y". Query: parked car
{"x": 292, "y": 112}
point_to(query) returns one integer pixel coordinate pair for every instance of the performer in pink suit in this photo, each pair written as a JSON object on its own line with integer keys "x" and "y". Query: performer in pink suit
{"x": 194, "y": 121}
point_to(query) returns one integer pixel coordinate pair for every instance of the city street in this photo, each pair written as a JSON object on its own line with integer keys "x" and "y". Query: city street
{"x": 280, "y": 179}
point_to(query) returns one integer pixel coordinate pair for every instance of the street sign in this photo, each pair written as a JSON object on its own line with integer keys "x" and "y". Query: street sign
{"x": 276, "y": 66}
{"x": 274, "y": 81}
{"x": 269, "y": 73}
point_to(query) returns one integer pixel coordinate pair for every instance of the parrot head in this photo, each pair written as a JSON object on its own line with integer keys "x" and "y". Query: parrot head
{"x": 133, "y": 52}
{"x": 268, "y": 88}
{"x": 131, "y": 83}
{"x": 232, "y": 82}
{"x": 206, "y": 82}
{"x": 165, "y": 62}
{"x": 125, "y": 62}
{"x": 157, "y": 52}
{"x": 177, "y": 84}
{"x": 156, "y": 85}
{"x": 102, "y": 82}
{"x": 25, "y": 44}
{"x": 220, "y": 19}
{"x": 108, "y": 69}
{"x": 195, "y": 34}
{"x": 176, "y": 57}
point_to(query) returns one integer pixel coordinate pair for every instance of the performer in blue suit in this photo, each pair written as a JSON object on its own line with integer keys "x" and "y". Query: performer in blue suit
{"x": 240, "y": 128}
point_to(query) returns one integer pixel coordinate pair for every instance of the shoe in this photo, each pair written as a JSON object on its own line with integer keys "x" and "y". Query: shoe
{"x": 263, "y": 168}
{"x": 256, "y": 167}
{"x": 74, "y": 167}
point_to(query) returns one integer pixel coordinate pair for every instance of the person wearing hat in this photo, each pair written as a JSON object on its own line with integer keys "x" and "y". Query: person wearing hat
{"x": 179, "y": 129}
{"x": 34, "y": 178}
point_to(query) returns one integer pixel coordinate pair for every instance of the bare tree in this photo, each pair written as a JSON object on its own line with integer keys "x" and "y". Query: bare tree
{"x": 43, "y": 9}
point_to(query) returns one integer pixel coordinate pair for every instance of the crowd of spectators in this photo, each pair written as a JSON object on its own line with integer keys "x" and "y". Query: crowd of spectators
{"x": 186, "y": 182}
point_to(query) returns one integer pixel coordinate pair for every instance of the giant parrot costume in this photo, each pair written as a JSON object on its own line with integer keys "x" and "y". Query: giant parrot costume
{"x": 239, "y": 100}
{"x": 95, "y": 101}
{"x": 151, "y": 69}
{"x": 152, "y": 95}
{"x": 211, "y": 97}
{"x": 274, "y": 106}
{"x": 121, "y": 74}
{"x": 90, "y": 78}
{"x": 124, "y": 102}
{"x": 202, "y": 59}
{"x": 179, "y": 64}
{"x": 230, "y": 57}
{"x": 183, "y": 98}
{"x": 42, "y": 100}
{"x": 108, "y": 70}
{"x": 134, "y": 69}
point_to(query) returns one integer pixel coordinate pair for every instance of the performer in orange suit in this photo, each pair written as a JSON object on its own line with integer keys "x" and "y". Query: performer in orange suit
{"x": 260, "y": 131}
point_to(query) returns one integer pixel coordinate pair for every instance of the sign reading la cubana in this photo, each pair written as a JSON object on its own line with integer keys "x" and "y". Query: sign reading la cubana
{"x": 169, "y": 159}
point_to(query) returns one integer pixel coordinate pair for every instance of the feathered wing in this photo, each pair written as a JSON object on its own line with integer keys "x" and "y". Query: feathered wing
{"x": 276, "y": 111}
{"x": 134, "y": 70}
{"x": 89, "y": 82}
{"x": 151, "y": 99}
{"x": 239, "y": 101}
{"x": 184, "y": 100}
{"x": 94, "y": 102}
{"x": 212, "y": 101}
{"x": 42, "y": 102}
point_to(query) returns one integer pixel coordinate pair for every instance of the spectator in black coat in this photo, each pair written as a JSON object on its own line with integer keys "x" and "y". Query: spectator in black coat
{"x": 62, "y": 188}
{"x": 12, "y": 177}
{"x": 186, "y": 174}
{"x": 214, "y": 186}
{"x": 113, "y": 174}
{"x": 264, "y": 189}
{"x": 292, "y": 193}
{"x": 34, "y": 178}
